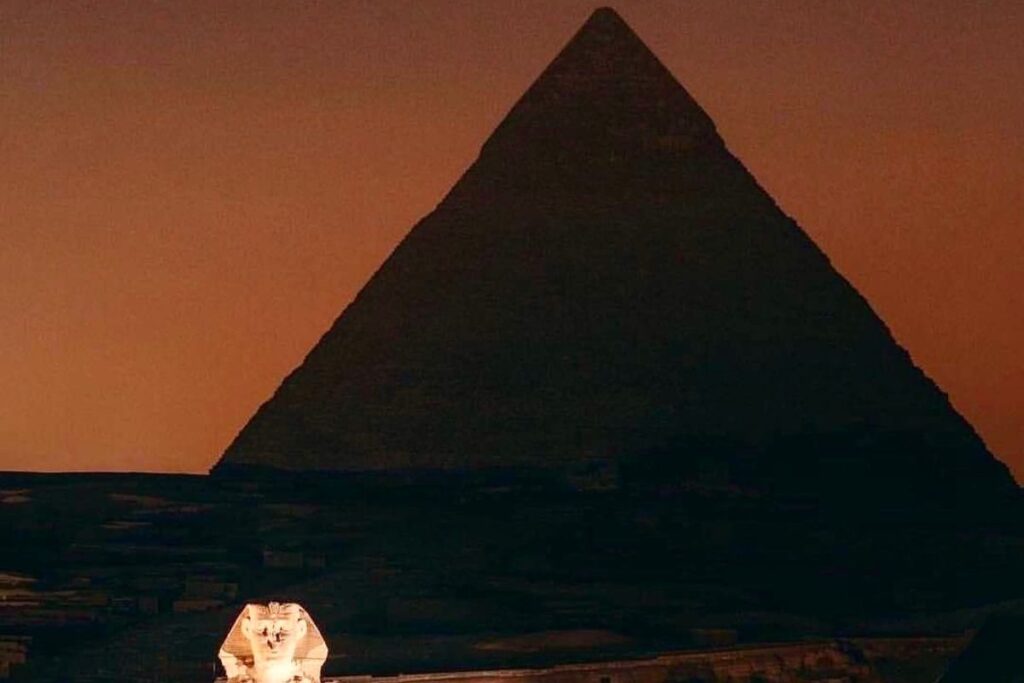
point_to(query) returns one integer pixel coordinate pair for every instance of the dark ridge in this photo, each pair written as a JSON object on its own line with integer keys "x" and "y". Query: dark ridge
{"x": 993, "y": 655}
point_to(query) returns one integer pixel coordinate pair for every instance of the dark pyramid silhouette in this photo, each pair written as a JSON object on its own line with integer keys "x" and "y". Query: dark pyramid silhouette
{"x": 608, "y": 281}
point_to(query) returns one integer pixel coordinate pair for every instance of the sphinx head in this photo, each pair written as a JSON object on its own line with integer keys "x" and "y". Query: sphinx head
{"x": 274, "y": 632}
{"x": 275, "y": 643}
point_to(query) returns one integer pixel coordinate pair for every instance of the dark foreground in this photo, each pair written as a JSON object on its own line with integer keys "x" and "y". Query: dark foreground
{"x": 138, "y": 577}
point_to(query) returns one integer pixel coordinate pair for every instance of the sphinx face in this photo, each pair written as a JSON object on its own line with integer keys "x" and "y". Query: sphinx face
{"x": 274, "y": 637}
{"x": 264, "y": 641}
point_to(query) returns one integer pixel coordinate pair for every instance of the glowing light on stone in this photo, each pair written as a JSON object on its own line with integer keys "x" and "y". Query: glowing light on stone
{"x": 274, "y": 643}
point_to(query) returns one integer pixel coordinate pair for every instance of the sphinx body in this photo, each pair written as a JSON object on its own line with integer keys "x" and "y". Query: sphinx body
{"x": 273, "y": 643}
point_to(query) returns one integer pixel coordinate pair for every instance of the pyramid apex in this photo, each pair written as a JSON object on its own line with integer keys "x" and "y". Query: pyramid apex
{"x": 605, "y": 12}
{"x": 605, "y": 95}
{"x": 604, "y": 18}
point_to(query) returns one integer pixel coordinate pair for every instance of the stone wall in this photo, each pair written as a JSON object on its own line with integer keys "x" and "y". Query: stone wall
{"x": 902, "y": 660}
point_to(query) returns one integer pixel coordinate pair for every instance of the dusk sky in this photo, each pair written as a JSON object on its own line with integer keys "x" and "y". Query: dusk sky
{"x": 191, "y": 192}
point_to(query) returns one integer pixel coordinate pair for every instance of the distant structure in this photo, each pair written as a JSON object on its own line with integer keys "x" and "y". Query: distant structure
{"x": 608, "y": 281}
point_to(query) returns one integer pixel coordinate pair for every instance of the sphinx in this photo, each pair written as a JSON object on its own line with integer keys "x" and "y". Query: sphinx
{"x": 273, "y": 643}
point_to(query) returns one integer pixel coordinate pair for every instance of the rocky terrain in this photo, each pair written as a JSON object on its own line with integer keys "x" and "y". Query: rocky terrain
{"x": 137, "y": 577}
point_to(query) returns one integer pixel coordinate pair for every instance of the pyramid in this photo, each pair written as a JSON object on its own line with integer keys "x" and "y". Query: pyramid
{"x": 608, "y": 281}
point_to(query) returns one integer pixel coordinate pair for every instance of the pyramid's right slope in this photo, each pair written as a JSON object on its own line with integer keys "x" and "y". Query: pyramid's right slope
{"x": 607, "y": 279}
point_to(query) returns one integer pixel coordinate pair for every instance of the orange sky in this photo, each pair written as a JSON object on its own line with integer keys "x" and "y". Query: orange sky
{"x": 190, "y": 192}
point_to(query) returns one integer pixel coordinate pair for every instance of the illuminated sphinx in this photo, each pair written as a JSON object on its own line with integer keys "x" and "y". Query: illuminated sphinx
{"x": 275, "y": 643}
